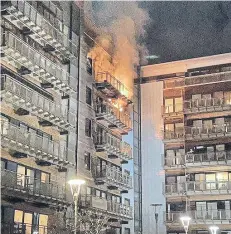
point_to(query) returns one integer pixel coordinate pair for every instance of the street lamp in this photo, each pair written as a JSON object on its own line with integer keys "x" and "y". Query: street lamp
{"x": 156, "y": 214}
{"x": 75, "y": 190}
{"x": 214, "y": 229}
{"x": 185, "y": 222}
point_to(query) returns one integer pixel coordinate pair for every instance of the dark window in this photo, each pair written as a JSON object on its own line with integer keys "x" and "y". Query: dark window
{"x": 87, "y": 161}
{"x": 88, "y": 96}
{"x": 11, "y": 166}
{"x": 127, "y": 231}
{"x": 88, "y": 127}
{"x": 89, "y": 66}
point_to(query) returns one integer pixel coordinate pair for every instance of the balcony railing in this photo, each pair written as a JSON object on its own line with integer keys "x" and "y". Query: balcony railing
{"x": 113, "y": 87}
{"x": 170, "y": 84}
{"x": 209, "y": 158}
{"x": 21, "y": 55}
{"x": 198, "y": 188}
{"x": 119, "y": 209}
{"x": 174, "y": 161}
{"x": 24, "y": 185}
{"x": 112, "y": 145}
{"x": 199, "y": 216}
{"x": 212, "y": 131}
{"x": 32, "y": 144}
{"x": 93, "y": 202}
{"x": 172, "y": 110}
{"x": 23, "y": 97}
{"x": 172, "y": 136}
{"x": 207, "y": 105}
{"x": 113, "y": 177}
{"x": 29, "y": 21}
{"x": 22, "y": 228}
{"x": 114, "y": 116}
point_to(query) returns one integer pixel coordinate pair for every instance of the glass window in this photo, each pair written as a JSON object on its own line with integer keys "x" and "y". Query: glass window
{"x": 18, "y": 216}
{"x": 127, "y": 231}
{"x": 89, "y": 66}
{"x": 168, "y": 105}
{"x": 97, "y": 193}
{"x": 88, "y": 191}
{"x": 88, "y": 96}
{"x": 43, "y": 224}
{"x": 44, "y": 177}
{"x": 88, "y": 127}
{"x": 21, "y": 171}
{"x": 87, "y": 161}
{"x": 178, "y": 104}
{"x": 169, "y": 127}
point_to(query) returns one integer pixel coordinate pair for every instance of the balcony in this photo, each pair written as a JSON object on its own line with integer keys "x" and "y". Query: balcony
{"x": 198, "y": 188}
{"x": 51, "y": 37}
{"x": 200, "y": 216}
{"x": 114, "y": 147}
{"x": 173, "y": 136}
{"x": 208, "y": 159}
{"x": 22, "y": 228}
{"x": 93, "y": 202}
{"x": 208, "y": 78}
{"x": 30, "y": 62}
{"x": 114, "y": 117}
{"x": 118, "y": 209}
{"x": 174, "y": 111}
{"x": 174, "y": 162}
{"x": 114, "y": 178}
{"x": 208, "y": 132}
{"x": 112, "y": 87}
{"x": 24, "y": 98}
{"x": 22, "y": 186}
{"x": 29, "y": 143}
{"x": 173, "y": 83}
{"x": 206, "y": 105}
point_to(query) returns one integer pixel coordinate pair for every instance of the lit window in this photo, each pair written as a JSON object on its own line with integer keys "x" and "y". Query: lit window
{"x": 18, "y": 216}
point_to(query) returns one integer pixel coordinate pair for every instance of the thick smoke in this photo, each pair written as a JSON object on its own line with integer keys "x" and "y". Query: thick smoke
{"x": 123, "y": 26}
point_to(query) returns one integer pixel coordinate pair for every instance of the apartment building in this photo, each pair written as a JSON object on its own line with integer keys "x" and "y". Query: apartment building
{"x": 59, "y": 121}
{"x": 196, "y": 116}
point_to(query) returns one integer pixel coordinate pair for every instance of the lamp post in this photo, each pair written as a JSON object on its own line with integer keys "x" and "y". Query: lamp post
{"x": 75, "y": 190}
{"x": 156, "y": 214}
{"x": 214, "y": 229}
{"x": 185, "y": 220}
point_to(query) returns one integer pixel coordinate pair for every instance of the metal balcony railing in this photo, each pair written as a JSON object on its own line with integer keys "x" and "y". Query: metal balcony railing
{"x": 170, "y": 110}
{"x": 28, "y": 20}
{"x": 199, "y": 216}
{"x": 208, "y": 158}
{"x": 207, "y": 105}
{"x": 114, "y": 86}
{"x": 114, "y": 177}
{"x": 28, "y": 99}
{"x": 208, "y": 78}
{"x": 174, "y": 161}
{"x": 173, "y": 135}
{"x": 113, "y": 115}
{"x": 112, "y": 145}
{"x": 26, "y": 185}
{"x": 32, "y": 144}
{"x": 93, "y": 202}
{"x": 22, "y": 228}
{"x": 212, "y": 131}
{"x": 20, "y": 54}
{"x": 119, "y": 209}
{"x": 170, "y": 84}
{"x": 198, "y": 187}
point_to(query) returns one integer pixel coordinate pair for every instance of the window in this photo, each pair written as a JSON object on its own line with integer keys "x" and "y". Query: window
{"x": 88, "y": 96}
{"x": 88, "y": 127}
{"x": 127, "y": 231}
{"x": 127, "y": 202}
{"x": 89, "y": 66}
{"x": 87, "y": 161}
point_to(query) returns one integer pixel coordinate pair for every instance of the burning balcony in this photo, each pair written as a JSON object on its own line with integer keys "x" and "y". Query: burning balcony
{"x": 22, "y": 186}
{"x": 207, "y": 105}
{"x": 30, "y": 101}
{"x": 172, "y": 110}
{"x": 30, "y": 62}
{"x": 208, "y": 159}
{"x": 208, "y": 132}
{"x": 112, "y": 87}
{"x": 25, "y": 143}
{"x": 53, "y": 38}
{"x": 120, "y": 210}
{"x": 113, "y": 177}
{"x": 208, "y": 78}
{"x": 115, "y": 117}
{"x": 115, "y": 148}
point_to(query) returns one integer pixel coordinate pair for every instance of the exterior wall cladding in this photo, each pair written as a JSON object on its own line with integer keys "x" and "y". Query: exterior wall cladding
{"x": 196, "y": 134}
{"x": 57, "y": 119}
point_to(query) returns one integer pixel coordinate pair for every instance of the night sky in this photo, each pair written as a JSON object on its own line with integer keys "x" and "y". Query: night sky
{"x": 182, "y": 30}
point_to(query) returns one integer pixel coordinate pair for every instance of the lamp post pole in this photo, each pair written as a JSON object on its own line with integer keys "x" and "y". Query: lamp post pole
{"x": 75, "y": 190}
{"x": 156, "y": 214}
